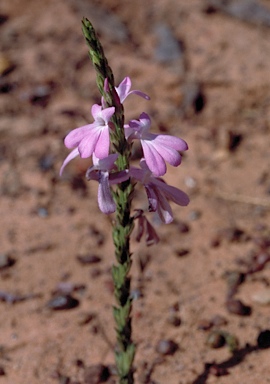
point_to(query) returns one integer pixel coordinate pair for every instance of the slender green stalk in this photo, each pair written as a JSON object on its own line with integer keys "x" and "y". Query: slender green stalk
{"x": 123, "y": 221}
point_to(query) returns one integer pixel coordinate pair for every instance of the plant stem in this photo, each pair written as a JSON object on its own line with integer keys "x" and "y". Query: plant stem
{"x": 123, "y": 226}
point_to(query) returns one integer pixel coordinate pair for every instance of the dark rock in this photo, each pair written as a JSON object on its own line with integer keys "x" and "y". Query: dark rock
{"x": 263, "y": 340}
{"x": 96, "y": 374}
{"x": 89, "y": 259}
{"x": 174, "y": 320}
{"x": 62, "y": 302}
{"x": 182, "y": 252}
{"x": 215, "y": 339}
{"x": 6, "y": 261}
{"x": 166, "y": 347}
{"x": 238, "y": 308}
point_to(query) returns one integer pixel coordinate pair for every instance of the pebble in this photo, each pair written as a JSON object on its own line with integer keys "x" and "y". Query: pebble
{"x": 238, "y": 308}
{"x": 234, "y": 279}
{"x": 174, "y": 320}
{"x": 96, "y": 374}
{"x": 89, "y": 259}
{"x": 262, "y": 297}
{"x": 215, "y": 339}
{"x": 263, "y": 340}
{"x": 6, "y": 261}
{"x": 182, "y": 252}
{"x": 166, "y": 347}
{"x": 61, "y": 302}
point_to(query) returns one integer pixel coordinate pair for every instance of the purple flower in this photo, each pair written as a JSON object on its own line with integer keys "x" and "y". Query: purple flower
{"x": 157, "y": 149}
{"x": 100, "y": 171}
{"x": 123, "y": 90}
{"x": 91, "y": 138}
{"x": 159, "y": 192}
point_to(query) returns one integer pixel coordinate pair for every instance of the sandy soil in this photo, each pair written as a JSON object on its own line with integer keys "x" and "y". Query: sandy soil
{"x": 202, "y": 296}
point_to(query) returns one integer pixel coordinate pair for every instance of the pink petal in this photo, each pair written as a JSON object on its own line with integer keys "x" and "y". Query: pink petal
{"x": 123, "y": 89}
{"x": 172, "y": 142}
{"x": 174, "y": 194}
{"x": 88, "y": 143}
{"x": 153, "y": 159}
{"x": 107, "y": 113}
{"x": 95, "y": 110}
{"x": 76, "y": 135}
{"x": 164, "y": 209}
{"x": 70, "y": 157}
{"x": 103, "y": 144}
{"x": 139, "y": 93}
{"x": 169, "y": 154}
{"x": 106, "y": 163}
{"x": 105, "y": 199}
{"x": 119, "y": 177}
{"x": 152, "y": 197}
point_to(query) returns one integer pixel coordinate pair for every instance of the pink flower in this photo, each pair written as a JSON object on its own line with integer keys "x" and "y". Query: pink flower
{"x": 100, "y": 171}
{"x": 159, "y": 192}
{"x": 91, "y": 138}
{"x": 157, "y": 149}
{"x": 123, "y": 90}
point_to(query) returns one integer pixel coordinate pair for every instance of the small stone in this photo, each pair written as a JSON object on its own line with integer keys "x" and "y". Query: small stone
{"x": 166, "y": 347}
{"x": 96, "y": 374}
{"x": 205, "y": 324}
{"x": 62, "y": 302}
{"x": 182, "y": 227}
{"x": 6, "y": 261}
{"x": 218, "y": 320}
{"x": 174, "y": 320}
{"x": 215, "y": 339}
{"x": 182, "y": 252}
{"x": 263, "y": 339}
{"x": 234, "y": 279}
{"x": 195, "y": 215}
{"x": 89, "y": 259}
{"x": 238, "y": 308}
{"x": 262, "y": 297}
{"x": 2, "y": 371}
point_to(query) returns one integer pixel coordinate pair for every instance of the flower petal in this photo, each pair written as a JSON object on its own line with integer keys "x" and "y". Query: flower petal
{"x": 172, "y": 193}
{"x": 153, "y": 159}
{"x": 123, "y": 89}
{"x": 169, "y": 154}
{"x": 103, "y": 144}
{"x": 107, "y": 113}
{"x": 74, "y": 137}
{"x": 172, "y": 142}
{"x": 96, "y": 110}
{"x": 164, "y": 209}
{"x": 152, "y": 197}
{"x": 105, "y": 199}
{"x": 70, "y": 157}
{"x": 88, "y": 143}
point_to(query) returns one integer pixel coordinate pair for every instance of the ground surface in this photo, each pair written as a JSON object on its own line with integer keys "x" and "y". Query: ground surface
{"x": 212, "y": 89}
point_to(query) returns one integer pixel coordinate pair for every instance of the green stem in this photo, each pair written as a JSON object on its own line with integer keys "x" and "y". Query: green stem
{"x": 123, "y": 226}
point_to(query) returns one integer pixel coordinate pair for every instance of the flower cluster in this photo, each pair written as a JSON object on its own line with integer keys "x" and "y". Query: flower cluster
{"x": 93, "y": 140}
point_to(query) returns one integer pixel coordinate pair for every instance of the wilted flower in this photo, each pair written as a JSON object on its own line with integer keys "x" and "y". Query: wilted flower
{"x": 144, "y": 226}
